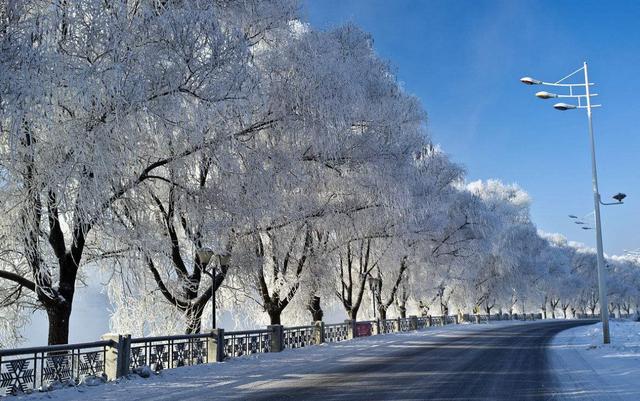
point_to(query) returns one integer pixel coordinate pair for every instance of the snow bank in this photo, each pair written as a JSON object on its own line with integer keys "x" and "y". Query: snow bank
{"x": 590, "y": 370}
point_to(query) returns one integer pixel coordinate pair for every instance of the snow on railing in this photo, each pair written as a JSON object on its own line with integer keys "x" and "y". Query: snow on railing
{"x": 168, "y": 352}
{"x": 388, "y": 326}
{"x": 298, "y": 336}
{"x": 246, "y": 342}
{"x": 336, "y": 332}
{"x": 587, "y": 316}
{"x": 24, "y": 370}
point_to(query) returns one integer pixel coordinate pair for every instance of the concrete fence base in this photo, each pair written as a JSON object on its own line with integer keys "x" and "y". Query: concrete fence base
{"x": 215, "y": 348}
{"x": 276, "y": 337}
{"x": 116, "y": 360}
{"x": 318, "y": 332}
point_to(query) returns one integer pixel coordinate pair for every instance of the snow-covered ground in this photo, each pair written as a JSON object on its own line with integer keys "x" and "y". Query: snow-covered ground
{"x": 232, "y": 378}
{"x": 590, "y": 370}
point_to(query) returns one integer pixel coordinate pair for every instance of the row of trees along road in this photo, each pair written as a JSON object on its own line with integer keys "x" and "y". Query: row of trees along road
{"x": 136, "y": 133}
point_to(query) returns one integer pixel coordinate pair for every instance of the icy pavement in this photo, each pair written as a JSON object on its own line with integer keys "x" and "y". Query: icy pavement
{"x": 590, "y": 370}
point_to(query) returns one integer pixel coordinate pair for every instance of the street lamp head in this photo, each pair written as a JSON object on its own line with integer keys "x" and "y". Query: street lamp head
{"x": 571, "y": 216}
{"x": 546, "y": 95}
{"x": 619, "y": 196}
{"x": 564, "y": 106}
{"x": 530, "y": 81}
{"x": 204, "y": 255}
{"x": 586, "y": 228}
{"x": 374, "y": 282}
{"x": 224, "y": 259}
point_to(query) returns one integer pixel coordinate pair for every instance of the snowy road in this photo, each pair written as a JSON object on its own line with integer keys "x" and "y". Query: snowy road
{"x": 504, "y": 361}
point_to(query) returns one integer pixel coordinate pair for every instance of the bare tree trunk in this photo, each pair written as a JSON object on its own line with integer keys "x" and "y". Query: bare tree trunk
{"x": 554, "y": 304}
{"x": 383, "y": 305}
{"x": 58, "y": 324}
{"x": 382, "y": 312}
{"x": 194, "y": 319}
{"x": 275, "y": 302}
{"x": 315, "y": 309}
{"x": 403, "y": 311}
{"x": 488, "y": 307}
{"x": 274, "y": 316}
{"x": 351, "y": 290}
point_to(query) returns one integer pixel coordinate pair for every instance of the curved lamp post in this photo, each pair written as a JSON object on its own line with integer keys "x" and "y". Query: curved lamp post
{"x": 584, "y": 102}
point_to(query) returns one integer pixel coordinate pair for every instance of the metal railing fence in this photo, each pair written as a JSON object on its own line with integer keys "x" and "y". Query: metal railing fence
{"x": 168, "y": 352}
{"x": 27, "y": 369}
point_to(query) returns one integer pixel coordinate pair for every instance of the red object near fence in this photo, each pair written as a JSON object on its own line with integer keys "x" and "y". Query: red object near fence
{"x": 363, "y": 329}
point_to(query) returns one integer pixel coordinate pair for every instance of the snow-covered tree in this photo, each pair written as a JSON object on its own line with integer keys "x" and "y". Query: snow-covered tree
{"x": 91, "y": 111}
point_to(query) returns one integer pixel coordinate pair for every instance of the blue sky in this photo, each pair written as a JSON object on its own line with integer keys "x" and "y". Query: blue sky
{"x": 463, "y": 59}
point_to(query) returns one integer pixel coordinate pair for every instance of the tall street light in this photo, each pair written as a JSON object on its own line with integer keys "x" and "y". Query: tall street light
{"x": 584, "y": 102}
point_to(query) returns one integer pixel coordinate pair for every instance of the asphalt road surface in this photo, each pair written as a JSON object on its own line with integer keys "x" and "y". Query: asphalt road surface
{"x": 498, "y": 361}
{"x": 483, "y": 363}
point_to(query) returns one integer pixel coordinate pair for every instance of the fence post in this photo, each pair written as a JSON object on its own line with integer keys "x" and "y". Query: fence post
{"x": 430, "y": 321}
{"x": 124, "y": 355}
{"x": 318, "y": 332}
{"x": 477, "y": 317}
{"x": 215, "y": 346}
{"x": 375, "y": 327}
{"x": 277, "y": 340}
{"x": 116, "y": 362}
{"x": 111, "y": 357}
{"x": 413, "y": 322}
{"x": 397, "y": 325}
